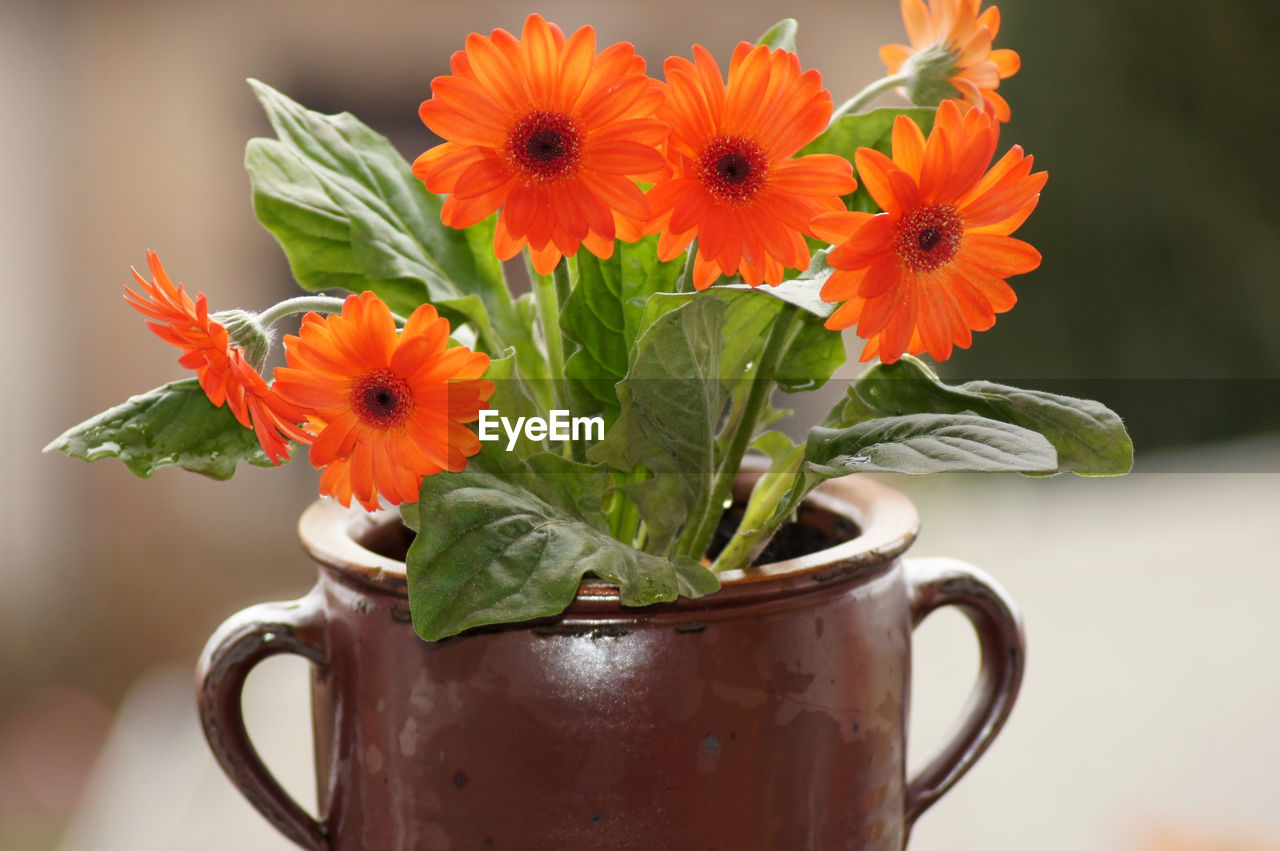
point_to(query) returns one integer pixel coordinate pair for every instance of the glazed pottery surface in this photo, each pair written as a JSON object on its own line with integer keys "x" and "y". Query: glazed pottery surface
{"x": 770, "y": 715}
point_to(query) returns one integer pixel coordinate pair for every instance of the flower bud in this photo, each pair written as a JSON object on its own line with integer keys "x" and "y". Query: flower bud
{"x": 247, "y": 334}
{"x": 929, "y": 72}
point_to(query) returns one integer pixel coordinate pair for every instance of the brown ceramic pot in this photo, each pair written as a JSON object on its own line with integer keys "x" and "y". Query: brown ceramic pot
{"x": 771, "y": 715}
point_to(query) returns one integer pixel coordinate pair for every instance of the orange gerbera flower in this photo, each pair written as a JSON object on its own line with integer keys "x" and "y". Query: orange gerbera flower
{"x": 385, "y": 408}
{"x": 735, "y": 186}
{"x": 950, "y": 54}
{"x": 930, "y": 269}
{"x": 550, "y": 132}
{"x": 222, "y": 371}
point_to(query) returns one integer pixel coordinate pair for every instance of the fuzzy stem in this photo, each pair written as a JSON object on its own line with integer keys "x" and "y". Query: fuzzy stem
{"x": 303, "y": 304}
{"x": 869, "y": 94}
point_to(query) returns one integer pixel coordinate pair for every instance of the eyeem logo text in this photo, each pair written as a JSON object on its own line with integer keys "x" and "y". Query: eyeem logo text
{"x": 560, "y": 427}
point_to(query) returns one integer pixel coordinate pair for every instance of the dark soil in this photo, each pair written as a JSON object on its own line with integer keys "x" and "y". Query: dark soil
{"x": 815, "y": 530}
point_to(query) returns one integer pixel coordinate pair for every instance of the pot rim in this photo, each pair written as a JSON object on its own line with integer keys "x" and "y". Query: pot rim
{"x": 886, "y": 519}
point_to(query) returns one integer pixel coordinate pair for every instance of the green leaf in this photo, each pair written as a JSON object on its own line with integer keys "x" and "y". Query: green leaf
{"x": 365, "y": 187}
{"x": 514, "y": 396}
{"x": 776, "y": 445}
{"x": 916, "y": 444}
{"x": 489, "y": 551}
{"x": 804, "y": 291}
{"x": 749, "y": 313}
{"x": 815, "y": 353}
{"x": 919, "y": 444}
{"x": 604, "y": 315}
{"x": 671, "y": 403}
{"x": 781, "y": 35}
{"x": 872, "y": 129}
{"x": 348, "y": 212}
{"x": 593, "y": 317}
{"x": 573, "y": 488}
{"x": 175, "y": 424}
{"x": 1089, "y": 438}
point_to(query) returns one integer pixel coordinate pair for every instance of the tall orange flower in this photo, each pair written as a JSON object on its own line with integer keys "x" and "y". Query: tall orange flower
{"x": 385, "y": 408}
{"x": 930, "y": 269}
{"x": 550, "y": 132}
{"x": 950, "y": 54}
{"x": 221, "y": 369}
{"x": 735, "y": 185}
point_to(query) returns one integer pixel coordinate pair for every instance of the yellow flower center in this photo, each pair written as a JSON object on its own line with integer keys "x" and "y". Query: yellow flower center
{"x": 382, "y": 399}
{"x": 545, "y": 146}
{"x": 733, "y": 169}
{"x": 929, "y": 237}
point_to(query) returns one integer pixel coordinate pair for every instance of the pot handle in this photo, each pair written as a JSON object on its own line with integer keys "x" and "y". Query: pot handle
{"x": 937, "y": 582}
{"x": 244, "y": 640}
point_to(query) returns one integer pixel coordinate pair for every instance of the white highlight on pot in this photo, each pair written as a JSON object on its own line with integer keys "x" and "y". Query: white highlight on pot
{"x": 558, "y": 428}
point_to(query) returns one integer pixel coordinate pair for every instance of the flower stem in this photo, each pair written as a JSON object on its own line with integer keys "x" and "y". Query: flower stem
{"x": 545, "y": 295}
{"x": 755, "y": 530}
{"x": 302, "y": 304}
{"x": 684, "y": 282}
{"x": 868, "y": 94}
{"x": 624, "y": 517}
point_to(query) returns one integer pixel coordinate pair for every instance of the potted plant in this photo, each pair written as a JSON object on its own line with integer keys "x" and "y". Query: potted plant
{"x": 582, "y": 627}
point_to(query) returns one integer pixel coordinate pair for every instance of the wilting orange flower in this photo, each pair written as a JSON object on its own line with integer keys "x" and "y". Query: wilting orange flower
{"x": 930, "y": 269}
{"x": 385, "y": 408}
{"x": 951, "y": 44}
{"x": 550, "y": 132}
{"x": 224, "y": 375}
{"x": 735, "y": 186}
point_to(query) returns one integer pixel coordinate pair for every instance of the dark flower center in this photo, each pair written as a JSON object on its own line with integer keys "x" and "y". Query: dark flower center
{"x": 545, "y": 146}
{"x": 733, "y": 169}
{"x": 382, "y": 399}
{"x": 929, "y": 237}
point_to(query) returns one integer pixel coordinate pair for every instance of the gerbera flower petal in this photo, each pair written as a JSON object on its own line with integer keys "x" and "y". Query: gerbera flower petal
{"x": 916, "y": 17}
{"x": 622, "y": 196}
{"x": 997, "y": 292}
{"x": 1007, "y": 62}
{"x": 732, "y": 183}
{"x": 873, "y": 170}
{"x": 221, "y": 370}
{"x": 528, "y": 123}
{"x": 376, "y": 397}
{"x": 929, "y": 271}
{"x": 464, "y": 212}
{"x": 575, "y": 69}
{"x": 483, "y": 176}
{"x": 1003, "y": 255}
{"x": 951, "y": 44}
{"x": 839, "y": 226}
{"x": 817, "y": 175}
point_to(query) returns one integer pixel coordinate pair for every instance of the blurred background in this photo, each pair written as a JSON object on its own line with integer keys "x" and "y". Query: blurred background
{"x": 1148, "y": 716}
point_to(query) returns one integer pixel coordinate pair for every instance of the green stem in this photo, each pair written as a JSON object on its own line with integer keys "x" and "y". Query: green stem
{"x": 757, "y": 527}
{"x": 302, "y": 304}
{"x": 552, "y": 348}
{"x": 546, "y": 291}
{"x": 624, "y": 518}
{"x": 869, "y": 94}
{"x": 684, "y": 283}
{"x": 705, "y": 522}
